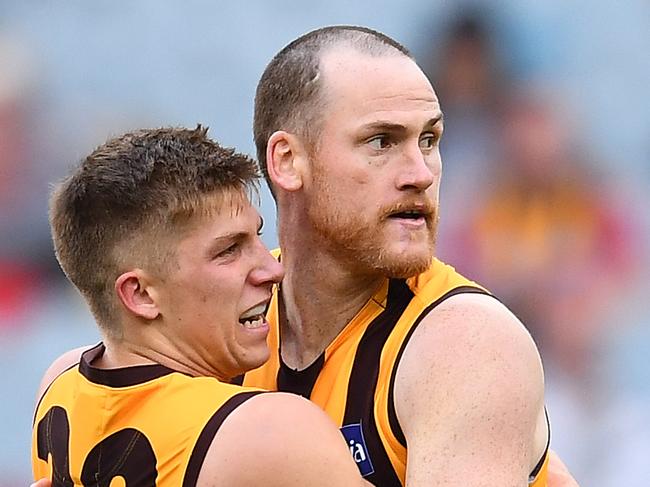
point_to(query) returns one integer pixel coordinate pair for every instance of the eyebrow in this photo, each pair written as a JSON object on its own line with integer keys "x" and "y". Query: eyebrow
{"x": 233, "y": 236}
{"x": 397, "y": 127}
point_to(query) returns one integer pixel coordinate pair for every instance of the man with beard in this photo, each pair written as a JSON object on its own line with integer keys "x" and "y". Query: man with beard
{"x": 395, "y": 345}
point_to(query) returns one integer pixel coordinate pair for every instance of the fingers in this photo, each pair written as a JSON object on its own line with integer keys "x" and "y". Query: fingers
{"x": 558, "y": 473}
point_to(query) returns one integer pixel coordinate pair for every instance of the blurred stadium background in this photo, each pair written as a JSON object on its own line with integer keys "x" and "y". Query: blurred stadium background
{"x": 545, "y": 191}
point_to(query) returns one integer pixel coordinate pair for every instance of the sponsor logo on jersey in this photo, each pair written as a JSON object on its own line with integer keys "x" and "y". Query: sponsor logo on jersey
{"x": 354, "y": 437}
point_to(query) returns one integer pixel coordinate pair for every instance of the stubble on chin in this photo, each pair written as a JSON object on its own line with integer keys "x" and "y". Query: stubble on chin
{"x": 361, "y": 242}
{"x": 364, "y": 246}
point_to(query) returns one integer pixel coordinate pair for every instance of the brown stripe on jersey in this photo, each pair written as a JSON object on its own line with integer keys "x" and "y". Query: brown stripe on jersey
{"x": 122, "y": 377}
{"x": 239, "y": 380}
{"x": 392, "y": 416}
{"x": 207, "y": 435}
{"x": 540, "y": 464}
{"x": 359, "y": 407}
{"x": 299, "y": 382}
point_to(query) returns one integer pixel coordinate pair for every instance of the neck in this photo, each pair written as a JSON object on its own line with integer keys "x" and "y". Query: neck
{"x": 120, "y": 353}
{"x": 320, "y": 295}
{"x": 133, "y": 349}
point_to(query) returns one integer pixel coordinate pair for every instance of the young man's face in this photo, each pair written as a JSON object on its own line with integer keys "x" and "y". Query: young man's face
{"x": 373, "y": 192}
{"x": 213, "y": 299}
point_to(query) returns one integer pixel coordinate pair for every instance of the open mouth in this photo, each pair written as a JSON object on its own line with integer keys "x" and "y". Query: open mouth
{"x": 408, "y": 214}
{"x": 254, "y": 317}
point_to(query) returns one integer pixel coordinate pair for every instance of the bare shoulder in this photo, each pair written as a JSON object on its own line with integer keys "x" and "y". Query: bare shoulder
{"x": 476, "y": 341}
{"x": 470, "y": 383}
{"x": 278, "y": 439}
{"x": 469, "y": 328}
{"x": 60, "y": 364}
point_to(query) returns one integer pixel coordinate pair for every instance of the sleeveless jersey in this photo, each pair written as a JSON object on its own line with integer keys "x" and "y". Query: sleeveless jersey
{"x": 147, "y": 424}
{"x": 353, "y": 380}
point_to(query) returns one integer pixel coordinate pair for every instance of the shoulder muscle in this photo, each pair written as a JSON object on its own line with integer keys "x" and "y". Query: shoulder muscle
{"x": 469, "y": 392}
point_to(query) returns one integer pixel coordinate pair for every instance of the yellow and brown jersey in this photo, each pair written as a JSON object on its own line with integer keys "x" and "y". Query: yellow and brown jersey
{"x": 353, "y": 380}
{"x": 148, "y": 424}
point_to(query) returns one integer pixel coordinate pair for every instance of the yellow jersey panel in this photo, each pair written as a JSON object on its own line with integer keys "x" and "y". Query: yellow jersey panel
{"x": 145, "y": 425}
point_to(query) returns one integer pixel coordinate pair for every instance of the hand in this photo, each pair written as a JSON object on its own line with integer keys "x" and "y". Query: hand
{"x": 42, "y": 483}
{"x": 558, "y": 473}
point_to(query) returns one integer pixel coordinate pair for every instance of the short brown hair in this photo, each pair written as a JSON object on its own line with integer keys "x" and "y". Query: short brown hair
{"x": 130, "y": 196}
{"x": 289, "y": 93}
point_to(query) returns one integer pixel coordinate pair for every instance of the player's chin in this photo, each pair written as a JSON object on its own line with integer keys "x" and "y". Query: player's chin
{"x": 254, "y": 357}
{"x": 404, "y": 262}
{"x": 253, "y": 349}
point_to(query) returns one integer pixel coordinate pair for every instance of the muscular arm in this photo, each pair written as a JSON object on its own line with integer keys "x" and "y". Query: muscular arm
{"x": 279, "y": 440}
{"x": 469, "y": 397}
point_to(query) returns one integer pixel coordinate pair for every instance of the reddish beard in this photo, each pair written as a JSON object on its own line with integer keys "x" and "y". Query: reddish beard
{"x": 361, "y": 241}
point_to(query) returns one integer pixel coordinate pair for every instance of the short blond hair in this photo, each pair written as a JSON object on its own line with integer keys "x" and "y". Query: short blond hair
{"x": 132, "y": 194}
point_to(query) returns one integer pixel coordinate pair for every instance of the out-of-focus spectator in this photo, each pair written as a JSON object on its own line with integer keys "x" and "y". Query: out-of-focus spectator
{"x": 26, "y": 259}
{"x": 467, "y": 70}
{"x": 470, "y": 77}
{"x": 550, "y": 236}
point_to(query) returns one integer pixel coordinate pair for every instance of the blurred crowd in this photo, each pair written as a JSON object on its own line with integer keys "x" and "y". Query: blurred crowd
{"x": 529, "y": 209}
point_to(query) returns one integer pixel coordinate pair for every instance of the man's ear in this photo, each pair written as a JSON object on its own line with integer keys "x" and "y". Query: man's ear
{"x": 286, "y": 160}
{"x": 136, "y": 295}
